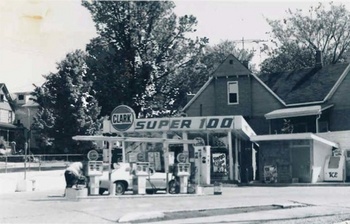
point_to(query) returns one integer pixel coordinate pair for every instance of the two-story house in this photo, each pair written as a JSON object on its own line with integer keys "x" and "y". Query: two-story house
{"x": 7, "y": 116}
{"x": 287, "y": 110}
{"x": 26, "y": 109}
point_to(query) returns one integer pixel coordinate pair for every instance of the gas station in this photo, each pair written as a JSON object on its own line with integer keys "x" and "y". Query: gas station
{"x": 182, "y": 146}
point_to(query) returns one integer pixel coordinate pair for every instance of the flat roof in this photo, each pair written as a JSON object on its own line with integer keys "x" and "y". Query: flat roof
{"x": 208, "y": 124}
{"x": 131, "y": 139}
{"x": 297, "y": 136}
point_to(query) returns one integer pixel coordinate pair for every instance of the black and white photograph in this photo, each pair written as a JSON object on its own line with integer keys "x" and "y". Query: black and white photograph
{"x": 175, "y": 112}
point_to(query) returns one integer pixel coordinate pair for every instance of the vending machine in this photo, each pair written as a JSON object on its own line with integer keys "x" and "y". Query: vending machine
{"x": 334, "y": 168}
{"x": 202, "y": 164}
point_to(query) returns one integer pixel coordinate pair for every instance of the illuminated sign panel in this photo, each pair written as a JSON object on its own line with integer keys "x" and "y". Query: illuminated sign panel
{"x": 122, "y": 120}
{"x": 184, "y": 124}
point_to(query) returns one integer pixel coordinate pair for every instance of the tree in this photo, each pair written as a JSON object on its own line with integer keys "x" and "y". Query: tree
{"x": 190, "y": 79}
{"x": 171, "y": 92}
{"x": 216, "y": 54}
{"x": 141, "y": 45}
{"x": 66, "y": 106}
{"x": 289, "y": 56}
{"x": 300, "y": 35}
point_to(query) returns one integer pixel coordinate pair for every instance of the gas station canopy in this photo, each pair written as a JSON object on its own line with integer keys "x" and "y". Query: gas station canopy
{"x": 132, "y": 139}
{"x": 223, "y": 124}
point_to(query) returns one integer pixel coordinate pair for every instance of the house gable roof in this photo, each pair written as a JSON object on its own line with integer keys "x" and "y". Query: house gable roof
{"x": 9, "y": 105}
{"x": 306, "y": 86}
{"x": 227, "y": 69}
{"x": 231, "y": 66}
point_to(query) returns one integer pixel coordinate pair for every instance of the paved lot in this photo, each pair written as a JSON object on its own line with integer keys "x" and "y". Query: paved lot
{"x": 47, "y": 205}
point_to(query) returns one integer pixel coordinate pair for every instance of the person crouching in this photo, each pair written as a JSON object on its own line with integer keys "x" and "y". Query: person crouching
{"x": 74, "y": 174}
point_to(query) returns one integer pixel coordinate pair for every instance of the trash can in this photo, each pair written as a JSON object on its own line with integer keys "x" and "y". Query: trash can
{"x": 217, "y": 188}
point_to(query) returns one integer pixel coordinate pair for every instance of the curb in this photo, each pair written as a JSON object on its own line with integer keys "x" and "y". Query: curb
{"x": 132, "y": 196}
{"x": 149, "y": 216}
{"x": 140, "y": 216}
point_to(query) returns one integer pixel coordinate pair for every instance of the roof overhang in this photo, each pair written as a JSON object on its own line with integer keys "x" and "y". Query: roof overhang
{"x": 298, "y": 136}
{"x": 7, "y": 126}
{"x": 132, "y": 139}
{"x": 210, "y": 124}
{"x": 295, "y": 112}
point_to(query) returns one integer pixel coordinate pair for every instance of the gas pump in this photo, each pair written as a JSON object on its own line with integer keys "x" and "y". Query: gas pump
{"x": 141, "y": 174}
{"x": 183, "y": 172}
{"x": 94, "y": 169}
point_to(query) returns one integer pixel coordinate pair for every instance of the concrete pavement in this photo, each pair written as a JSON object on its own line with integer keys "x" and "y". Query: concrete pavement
{"x": 47, "y": 205}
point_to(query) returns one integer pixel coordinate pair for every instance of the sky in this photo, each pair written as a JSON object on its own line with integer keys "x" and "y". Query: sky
{"x": 37, "y": 34}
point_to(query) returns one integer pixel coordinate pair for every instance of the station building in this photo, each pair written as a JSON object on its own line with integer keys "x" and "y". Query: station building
{"x": 301, "y": 120}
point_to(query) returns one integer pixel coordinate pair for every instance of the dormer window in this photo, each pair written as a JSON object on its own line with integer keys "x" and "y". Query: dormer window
{"x": 21, "y": 97}
{"x": 232, "y": 92}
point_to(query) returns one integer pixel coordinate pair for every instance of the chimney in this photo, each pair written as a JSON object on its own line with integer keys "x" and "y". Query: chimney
{"x": 246, "y": 63}
{"x": 319, "y": 59}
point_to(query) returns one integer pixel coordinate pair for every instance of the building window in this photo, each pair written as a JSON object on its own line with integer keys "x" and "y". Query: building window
{"x": 10, "y": 117}
{"x": 21, "y": 97}
{"x": 2, "y": 97}
{"x": 232, "y": 92}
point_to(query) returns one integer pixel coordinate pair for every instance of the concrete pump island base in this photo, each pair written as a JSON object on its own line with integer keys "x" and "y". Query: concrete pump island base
{"x": 177, "y": 155}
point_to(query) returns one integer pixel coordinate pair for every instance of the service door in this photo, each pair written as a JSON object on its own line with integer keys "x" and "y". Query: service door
{"x": 301, "y": 164}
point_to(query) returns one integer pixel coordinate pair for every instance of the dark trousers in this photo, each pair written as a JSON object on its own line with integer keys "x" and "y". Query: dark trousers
{"x": 71, "y": 179}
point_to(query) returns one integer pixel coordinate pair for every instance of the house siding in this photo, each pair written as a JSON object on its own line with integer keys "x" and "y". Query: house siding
{"x": 244, "y": 92}
{"x": 231, "y": 67}
{"x": 204, "y": 102}
{"x": 254, "y": 101}
{"x": 263, "y": 101}
{"x": 340, "y": 116}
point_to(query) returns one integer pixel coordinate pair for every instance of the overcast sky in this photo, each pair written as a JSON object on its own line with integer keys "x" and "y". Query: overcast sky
{"x": 36, "y": 34}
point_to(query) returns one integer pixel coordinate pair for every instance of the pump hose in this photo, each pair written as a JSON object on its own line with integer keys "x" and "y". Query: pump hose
{"x": 150, "y": 182}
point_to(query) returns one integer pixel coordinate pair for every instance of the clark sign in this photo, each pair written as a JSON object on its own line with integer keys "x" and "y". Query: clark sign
{"x": 123, "y": 120}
